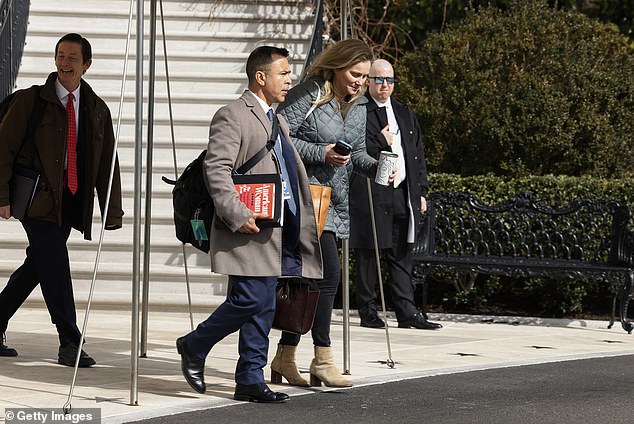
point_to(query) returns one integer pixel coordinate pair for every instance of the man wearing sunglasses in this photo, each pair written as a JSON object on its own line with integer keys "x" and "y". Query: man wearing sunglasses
{"x": 390, "y": 126}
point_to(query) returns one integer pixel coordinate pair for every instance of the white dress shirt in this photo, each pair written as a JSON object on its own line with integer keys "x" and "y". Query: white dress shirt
{"x": 397, "y": 145}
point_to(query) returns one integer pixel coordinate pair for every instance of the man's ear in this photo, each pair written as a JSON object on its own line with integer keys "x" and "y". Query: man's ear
{"x": 260, "y": 78}
{"x": 86, "y": 66}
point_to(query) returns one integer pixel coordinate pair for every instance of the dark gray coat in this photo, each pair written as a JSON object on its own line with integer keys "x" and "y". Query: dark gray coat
{"x": 325, "y": 125}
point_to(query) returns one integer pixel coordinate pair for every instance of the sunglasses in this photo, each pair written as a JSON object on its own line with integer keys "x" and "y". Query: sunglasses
{"x": 381, "y": 80}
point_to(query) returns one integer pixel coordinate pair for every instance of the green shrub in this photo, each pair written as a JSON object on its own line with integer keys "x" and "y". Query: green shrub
{"x": 526, "y": 91}
{"x": 556, "y": 190}
{"x": 395, "y": 27}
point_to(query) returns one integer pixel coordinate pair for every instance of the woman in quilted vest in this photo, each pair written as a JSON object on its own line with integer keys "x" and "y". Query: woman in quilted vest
{"x": 327, "y": 106}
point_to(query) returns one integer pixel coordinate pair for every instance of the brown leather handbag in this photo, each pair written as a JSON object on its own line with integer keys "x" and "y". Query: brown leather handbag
{"x": 295, "y": 306}
{"x": 321, "y": 203}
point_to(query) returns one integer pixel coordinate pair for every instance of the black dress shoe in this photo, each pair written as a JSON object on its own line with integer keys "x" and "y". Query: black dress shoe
{"x": 193, "y": 369}
{"x": 6, "y": 350}
{"x": 258, "y": 393}
{"x": 67, "y": 355}
{"x": 372, "y": 321}
{"x": 419, "y": 321}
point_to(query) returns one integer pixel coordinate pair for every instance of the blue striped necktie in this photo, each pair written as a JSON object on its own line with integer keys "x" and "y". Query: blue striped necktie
{"x": 277, "y": 148}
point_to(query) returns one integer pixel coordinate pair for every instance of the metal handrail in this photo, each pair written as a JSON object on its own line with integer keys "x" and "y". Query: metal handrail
{"x": 14, "y": 16}
{"x": 317, "y": 40}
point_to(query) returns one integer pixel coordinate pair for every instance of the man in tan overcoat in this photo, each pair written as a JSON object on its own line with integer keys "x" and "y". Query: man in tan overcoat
{"x": 251, "y": 255}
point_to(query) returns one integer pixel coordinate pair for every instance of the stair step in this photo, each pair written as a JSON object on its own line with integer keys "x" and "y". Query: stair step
{"x": 212, "y": 41}
{"x": 238, "y": 22}
{"x": 191, "y": 9}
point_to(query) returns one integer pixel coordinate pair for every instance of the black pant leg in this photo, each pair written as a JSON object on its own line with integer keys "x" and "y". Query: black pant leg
{"x": 365, "y": 278}
{"x": 20, "y": 285}
{"x": 399, "y": 259}
{"x": 47, "y": 243}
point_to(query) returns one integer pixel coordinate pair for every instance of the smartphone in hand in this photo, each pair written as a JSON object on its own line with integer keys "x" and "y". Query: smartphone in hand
{"x": 342, "y": 148}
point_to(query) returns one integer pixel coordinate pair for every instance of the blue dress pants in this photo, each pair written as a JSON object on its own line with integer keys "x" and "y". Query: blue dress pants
{"x": 249, "y": 308}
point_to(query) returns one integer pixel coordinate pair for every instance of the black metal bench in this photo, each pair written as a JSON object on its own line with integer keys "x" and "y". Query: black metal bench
{"x": 523, "y": 237}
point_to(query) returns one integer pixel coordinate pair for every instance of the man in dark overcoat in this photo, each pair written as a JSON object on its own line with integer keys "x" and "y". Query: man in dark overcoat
{"x": 72, "y": 149}
{"x": 390, "y": 127}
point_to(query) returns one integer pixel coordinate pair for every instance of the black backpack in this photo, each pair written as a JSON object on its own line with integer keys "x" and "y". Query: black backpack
{"x": 193, "y": 206}
{"x": 36, "y": 114}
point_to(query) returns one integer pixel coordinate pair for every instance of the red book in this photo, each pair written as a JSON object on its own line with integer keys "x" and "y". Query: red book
{"x": 262, "y": 193}
{"x": 259, "y": 197}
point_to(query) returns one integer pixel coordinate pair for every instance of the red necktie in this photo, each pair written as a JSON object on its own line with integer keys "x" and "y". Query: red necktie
{"x": 71, "y": 160}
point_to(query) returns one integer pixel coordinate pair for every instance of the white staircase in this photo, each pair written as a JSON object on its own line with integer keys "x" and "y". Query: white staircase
{"x": 207, "y": 46}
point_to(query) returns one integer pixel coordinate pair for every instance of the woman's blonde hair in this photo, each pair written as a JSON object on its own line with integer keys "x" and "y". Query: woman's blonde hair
{"x": 340, "y": 55}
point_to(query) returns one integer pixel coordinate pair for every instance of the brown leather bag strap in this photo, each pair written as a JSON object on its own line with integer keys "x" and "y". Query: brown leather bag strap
{"x": 321, "y": 203}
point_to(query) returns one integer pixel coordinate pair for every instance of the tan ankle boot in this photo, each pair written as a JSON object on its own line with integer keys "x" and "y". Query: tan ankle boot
{"x": 283, "y": 365}
{"x": 323, "y": 369}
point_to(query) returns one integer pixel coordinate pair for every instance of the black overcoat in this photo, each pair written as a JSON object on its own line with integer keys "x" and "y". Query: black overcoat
{"x": 383, "y": 197}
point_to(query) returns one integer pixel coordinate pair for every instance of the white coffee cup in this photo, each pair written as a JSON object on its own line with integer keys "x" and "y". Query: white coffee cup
{"x": 387, "y": 162}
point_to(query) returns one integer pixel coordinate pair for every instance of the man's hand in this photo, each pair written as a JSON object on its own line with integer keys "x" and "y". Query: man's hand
{"x": 335, "y": 159}
{"x": 392, "y": 177}
{"x": 250, "y": 227}
{"x": 5, "y": 212}
{"x": 423, "y": 205}
{"x": 388, "y": 135}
